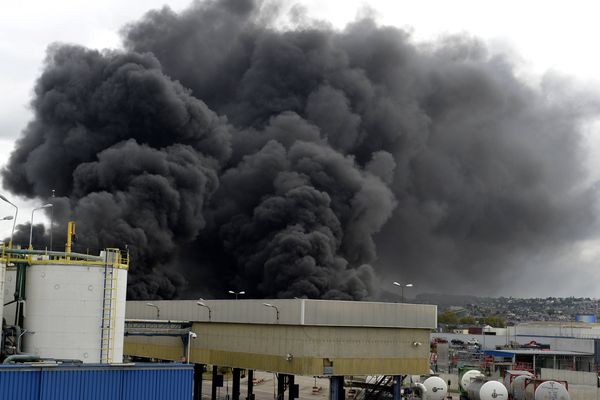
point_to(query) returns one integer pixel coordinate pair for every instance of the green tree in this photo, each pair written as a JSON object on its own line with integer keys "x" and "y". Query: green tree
{"x": 494, "y": 321}
{"x": 448, "y": 317}
{"x": 468, "y": 320}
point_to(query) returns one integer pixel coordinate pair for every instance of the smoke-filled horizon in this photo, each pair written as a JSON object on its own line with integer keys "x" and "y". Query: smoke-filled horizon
{"x": 226, "y": 153}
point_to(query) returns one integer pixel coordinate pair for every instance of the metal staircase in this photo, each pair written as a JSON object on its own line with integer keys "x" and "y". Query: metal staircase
{"x": 379, "y": 389}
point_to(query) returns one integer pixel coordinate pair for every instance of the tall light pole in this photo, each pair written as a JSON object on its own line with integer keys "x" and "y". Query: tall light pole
{"x": 236, "y": 293}
{"x": 202, "y": 304}
{"x": 402, "y": 289}
{"x": 31, "y": 228}
{"x": 157, "y": 309}
{"x": 51, "y": 221}
{"x": 14, "y": 220}
{"x": 8, "y": 218}
{"x": 272, "y": 306}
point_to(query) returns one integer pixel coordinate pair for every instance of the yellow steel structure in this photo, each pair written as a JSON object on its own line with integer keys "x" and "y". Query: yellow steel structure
{"x": 11, "y": 256}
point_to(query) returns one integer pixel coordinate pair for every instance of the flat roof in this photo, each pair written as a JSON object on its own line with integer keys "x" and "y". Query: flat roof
{"x": 291, "y": 312}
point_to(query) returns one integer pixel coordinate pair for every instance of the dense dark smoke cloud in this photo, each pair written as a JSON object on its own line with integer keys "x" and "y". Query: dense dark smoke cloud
{"x": 230, "y": 154}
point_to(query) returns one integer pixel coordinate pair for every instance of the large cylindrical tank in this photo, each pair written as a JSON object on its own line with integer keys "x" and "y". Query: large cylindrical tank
{"x": 511, "y": 374}
{"x": 67, "y": 306}
{"x": 437, "y": 388}
{"x": 548, "y": 390}
{"x": 517, "y": 386}
{"x": 468, "y": 376}
{"x": 481, "y": 389}
{"x": 10, "y": 279}
{"x": 2, "y": 278}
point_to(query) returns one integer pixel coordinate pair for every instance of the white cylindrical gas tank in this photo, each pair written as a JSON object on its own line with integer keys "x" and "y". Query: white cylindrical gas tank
{"x": 468, "y": 377}
{"x": 64, "y": 309}
{"x": 511, "y": 374}
{"x": 480, "y": 389}
{"x": 437, "y": 389}
{"x": 517, "y": 386}
{"x": 548, "y": 390}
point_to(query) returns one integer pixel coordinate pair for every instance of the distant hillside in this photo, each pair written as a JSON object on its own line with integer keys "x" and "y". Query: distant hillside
{"x": 447, "y": 299}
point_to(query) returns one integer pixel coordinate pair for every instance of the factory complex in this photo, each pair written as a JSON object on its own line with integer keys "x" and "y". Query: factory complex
{"x": 68, "y": 332}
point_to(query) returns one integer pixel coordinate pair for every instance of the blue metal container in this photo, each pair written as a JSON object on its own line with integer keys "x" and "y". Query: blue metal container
{"x": 97, "y": 382}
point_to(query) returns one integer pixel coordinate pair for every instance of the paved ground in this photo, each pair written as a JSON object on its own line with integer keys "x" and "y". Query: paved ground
{"x": 266, "y": 388}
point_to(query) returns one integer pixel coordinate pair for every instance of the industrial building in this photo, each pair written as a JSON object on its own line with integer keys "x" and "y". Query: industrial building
{"x": 65, "y": 334}
{"x": 290, "y": 337}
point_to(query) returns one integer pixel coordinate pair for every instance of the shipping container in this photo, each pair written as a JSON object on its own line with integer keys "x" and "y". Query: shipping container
{"x": 96, "y": 381}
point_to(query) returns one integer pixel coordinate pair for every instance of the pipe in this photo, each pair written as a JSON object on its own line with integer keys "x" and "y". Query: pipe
{"x": 17, "y": 358}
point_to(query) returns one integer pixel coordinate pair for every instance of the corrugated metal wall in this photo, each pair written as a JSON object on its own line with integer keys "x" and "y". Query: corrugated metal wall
{"x": 94, "y": 382}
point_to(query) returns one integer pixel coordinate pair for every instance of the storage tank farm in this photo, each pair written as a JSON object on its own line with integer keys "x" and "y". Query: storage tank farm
{"x": 65, "y": 305}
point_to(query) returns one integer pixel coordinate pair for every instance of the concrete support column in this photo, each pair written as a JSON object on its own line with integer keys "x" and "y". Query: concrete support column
{"x": 250, "y": 395}
{"x": 198, "y": 370}
{"x": 291, "y": 392}
{"x": 235, "y": 388}
{"x": 397, "y": 387}
{"x": 336, "y": 388}
{"x": 215, "y": 373}
{"x": 280, "y": 386}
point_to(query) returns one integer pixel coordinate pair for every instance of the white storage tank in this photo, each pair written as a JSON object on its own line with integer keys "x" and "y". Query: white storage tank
{"x": 2, "y": 279}
{"x": 437, "y": 389}
{"x": 469, "y": 376}
{"x": 511, "y": 374}
{"x": 548, "y": 390}
{"x": 70, "y": 313}
{"x": 10, "y": 279}
{"x": 480, "y": 389}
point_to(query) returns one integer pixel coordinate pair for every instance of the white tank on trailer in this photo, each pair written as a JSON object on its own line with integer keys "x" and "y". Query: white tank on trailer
{"x": 437, "y": 389}
{"x": 511, "y": 374}
{"x": 468, "y": 377}
{"x": 548, "y": 390}
{"x": 517, "y": 386}
{"x": 480, "y": 389}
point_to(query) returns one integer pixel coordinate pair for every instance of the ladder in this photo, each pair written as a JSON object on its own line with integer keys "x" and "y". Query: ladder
{"x": 109, "y": 306}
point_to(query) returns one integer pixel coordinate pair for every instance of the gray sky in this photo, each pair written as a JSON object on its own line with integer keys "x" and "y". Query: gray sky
{"x": 543, "y": 36}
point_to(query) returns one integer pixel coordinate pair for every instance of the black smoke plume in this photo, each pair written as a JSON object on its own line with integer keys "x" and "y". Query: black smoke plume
{"x": 228, "y": 153}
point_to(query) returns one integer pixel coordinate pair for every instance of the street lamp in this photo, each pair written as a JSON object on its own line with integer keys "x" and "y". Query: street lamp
{"x": 236, "y": 293}
{"x": 31, "y": 228}
{"x": 157, "y": 309}
{"x": 191, "y": 335}
{"x": 14, "y": 220}
{"x": 272, "y": 306}
{"x": 202, "y": 304}
{"x": 8, "y": 218}
{"x": 402, "y": 289}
